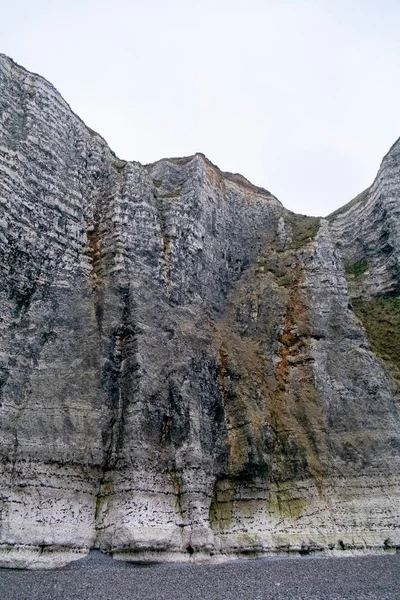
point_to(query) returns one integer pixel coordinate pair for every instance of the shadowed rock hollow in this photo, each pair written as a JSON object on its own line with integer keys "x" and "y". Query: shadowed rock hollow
{"x": 184, "y": 369}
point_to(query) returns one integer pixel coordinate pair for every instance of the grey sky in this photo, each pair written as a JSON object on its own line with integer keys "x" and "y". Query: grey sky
{"x": 301, "y": 97}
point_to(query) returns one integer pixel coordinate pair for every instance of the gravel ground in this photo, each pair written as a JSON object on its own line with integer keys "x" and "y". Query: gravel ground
{"x": 100, "y": 578}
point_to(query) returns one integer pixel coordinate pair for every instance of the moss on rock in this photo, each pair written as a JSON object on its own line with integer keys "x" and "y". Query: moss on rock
{"x": 381, "y": 319}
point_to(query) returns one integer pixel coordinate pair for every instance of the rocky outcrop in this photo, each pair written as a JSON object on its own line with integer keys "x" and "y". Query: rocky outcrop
{"x": 182, "y": 373}
{"x": 367, "y": 233}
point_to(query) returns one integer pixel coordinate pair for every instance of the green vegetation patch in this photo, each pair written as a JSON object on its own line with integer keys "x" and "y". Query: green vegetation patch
{"x": 277, "y": 271}
{"x": 264, "y": 266}
{"x": 221, "y": 507}
{"x": 276, "y": 266}
{"x": 285, "y": 281}
{"x": 381, "y": 319}
{"x": 282, "y": 504}
{"x": 304, "y": 229}
{"x": 175, "y": 194}
{"x": 357, "y": 269}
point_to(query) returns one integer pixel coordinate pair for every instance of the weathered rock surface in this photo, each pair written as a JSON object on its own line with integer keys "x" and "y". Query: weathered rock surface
{"x": 182, "y": 374}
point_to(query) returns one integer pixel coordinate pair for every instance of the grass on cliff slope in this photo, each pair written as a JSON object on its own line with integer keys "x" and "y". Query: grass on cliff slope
{"x": 174, "y": 194}
{"x": 304, "y": 229}
{"x": 381, "y": 319}
{"x": 357, "y": 269}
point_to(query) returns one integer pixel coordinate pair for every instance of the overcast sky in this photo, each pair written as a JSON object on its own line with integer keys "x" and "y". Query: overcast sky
{"x": 301, "y": 97}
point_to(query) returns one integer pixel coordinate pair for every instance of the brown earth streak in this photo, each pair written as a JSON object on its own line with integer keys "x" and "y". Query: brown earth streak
{"x": 289, "y": 412}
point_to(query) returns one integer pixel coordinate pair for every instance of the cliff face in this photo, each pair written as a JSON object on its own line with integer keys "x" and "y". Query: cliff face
{"x": 183, "y": 374}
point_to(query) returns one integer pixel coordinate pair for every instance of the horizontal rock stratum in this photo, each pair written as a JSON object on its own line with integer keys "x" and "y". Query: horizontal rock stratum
{"x": 188, "y": 371}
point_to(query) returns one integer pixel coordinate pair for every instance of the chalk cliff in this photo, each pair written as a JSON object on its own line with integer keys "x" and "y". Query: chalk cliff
{"x": 188, "y": 371}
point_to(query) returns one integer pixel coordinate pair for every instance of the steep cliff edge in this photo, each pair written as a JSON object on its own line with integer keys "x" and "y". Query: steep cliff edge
{"x": 367, "y": 235}
{"x": 182, "y": 373}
